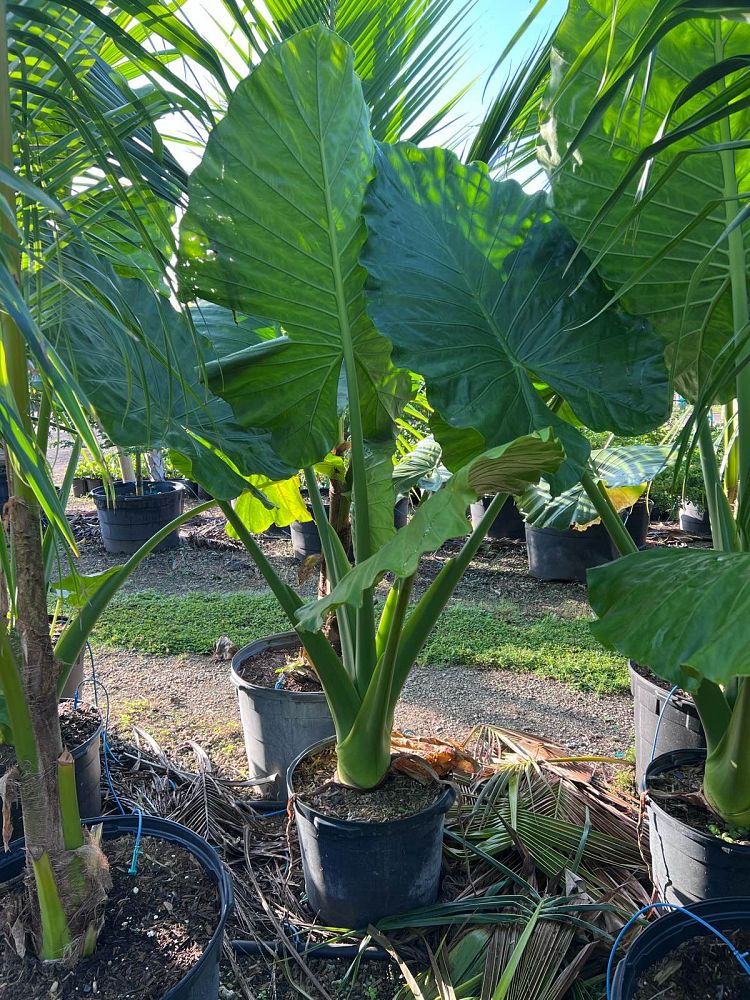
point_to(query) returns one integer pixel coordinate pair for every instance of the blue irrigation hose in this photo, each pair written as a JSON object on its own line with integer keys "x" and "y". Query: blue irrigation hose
{"x": 740, "y": 956}
{"x": 108, "y": 752}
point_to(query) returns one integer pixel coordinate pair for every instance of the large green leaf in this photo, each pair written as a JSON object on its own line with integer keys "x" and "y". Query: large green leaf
{"x": 642, "y": 603}
{"x": 274, "y": 228}
{"x": 618, "y": 467}
{"x": 472, "y": 281}
{"x": 137, "y": 362}
{"x": 506, "y": 469}
{"x": 665, "y": 76}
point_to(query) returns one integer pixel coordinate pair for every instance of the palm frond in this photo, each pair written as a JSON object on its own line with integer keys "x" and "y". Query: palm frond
{"x": 406, "y": 52}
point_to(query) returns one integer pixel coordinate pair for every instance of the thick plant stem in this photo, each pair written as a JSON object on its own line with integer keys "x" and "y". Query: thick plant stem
{"x": 740, "y": 308}
{"x": 714, "y": 711}
{"x": 726, "y": 782}
{"x": 610, "y": 518}
{"x": 39, "y": 789}
{"x": 339, "y": 690}
{"x": 71, "y": 818}
{"x": 55, "y": 932}
{"x": 723, "y": 527}
{"x": 339, "y": 630}
{"x": 363, "y": 758}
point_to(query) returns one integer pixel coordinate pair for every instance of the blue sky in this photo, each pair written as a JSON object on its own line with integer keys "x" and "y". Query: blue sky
{"x": 494, "y": 22}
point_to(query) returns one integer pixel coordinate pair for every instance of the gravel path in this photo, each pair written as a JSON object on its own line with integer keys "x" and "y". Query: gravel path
{"x": 187, "y": 697}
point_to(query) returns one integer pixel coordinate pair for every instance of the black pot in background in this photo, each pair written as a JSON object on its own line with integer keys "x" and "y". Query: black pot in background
{"x": 277, "y": 724}
{"x": 680, "y": 727}
{"x": 567, "y": 555}
{"x": 93, "y": 483}
{"x": 356, "y": 873}
{"x": 688, "y": 865}
{"x": 202, "y": 981}
{"x": 79, "y": 486}
{"x": 508, "y": 524}
{"x": 134, "y": 519}
{"x": 694, "y": 520}
{"x": 401, "y": 513}
{"x": 88, "y": 772}
{"x": 306, "y": 538}
{"x": 659, "y": 938}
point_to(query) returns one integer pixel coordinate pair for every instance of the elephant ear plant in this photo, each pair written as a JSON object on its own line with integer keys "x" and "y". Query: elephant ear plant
{"x": 647, "y": 140}
{"x": 377, "y": 261}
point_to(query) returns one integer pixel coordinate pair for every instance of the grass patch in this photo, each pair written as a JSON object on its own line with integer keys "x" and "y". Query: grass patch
{"x": 187, "y": 623}
{"x": 502, "y": 637}
{"x": 562, "y": 648}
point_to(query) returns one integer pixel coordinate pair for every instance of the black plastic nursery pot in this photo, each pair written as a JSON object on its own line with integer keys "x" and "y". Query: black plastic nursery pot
{"x": 568, "y": 555}
{"x": 688, "y": 865}
{"x": 79, "y": 486}
{"x": 277, "y": 724}
{"x": 306, "y": 538}
{"x": 356, "y": 873}
{"x": 680, "y": 727}
{"x": 127, "y": 520}
{"x": 508, "y": 524}
{"x": 695, "y": 520}
{"x": 88, "y": 773}
{"x": 662, "y": 936}
{"x": 93, "y": 483}
{"x": 202, "y": 981}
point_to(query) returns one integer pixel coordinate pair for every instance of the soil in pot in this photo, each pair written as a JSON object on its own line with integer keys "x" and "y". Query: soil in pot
{"x": 687, "y": 779}
{"x": 397, "y": 797}
{"x": 157, "y": 925}
{"x": 273, "y": 667}
{"x": 701, "y": 968}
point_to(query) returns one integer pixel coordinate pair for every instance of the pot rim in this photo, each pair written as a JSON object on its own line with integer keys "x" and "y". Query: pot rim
{"x": 678, "y": 699}
{"x": 280, "y": 640}
{"x": 663, "y": 763}
{"x": 710, "y": 909}
{"x": 101, "y": 493}
{"x": 201, "y": 850}
{"x": 441, "y": 804}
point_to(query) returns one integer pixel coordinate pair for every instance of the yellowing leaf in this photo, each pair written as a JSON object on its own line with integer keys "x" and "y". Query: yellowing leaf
{"x": 288, "y": 505}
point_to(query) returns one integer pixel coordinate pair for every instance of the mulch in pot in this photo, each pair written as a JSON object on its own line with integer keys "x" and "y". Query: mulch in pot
{"x": 398, "y": 796}
{"x": 687, "y": 780}
{"x": 157, "y": 925}
{"x": 266, "y": 669}
{"x": 702, "y": 968}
